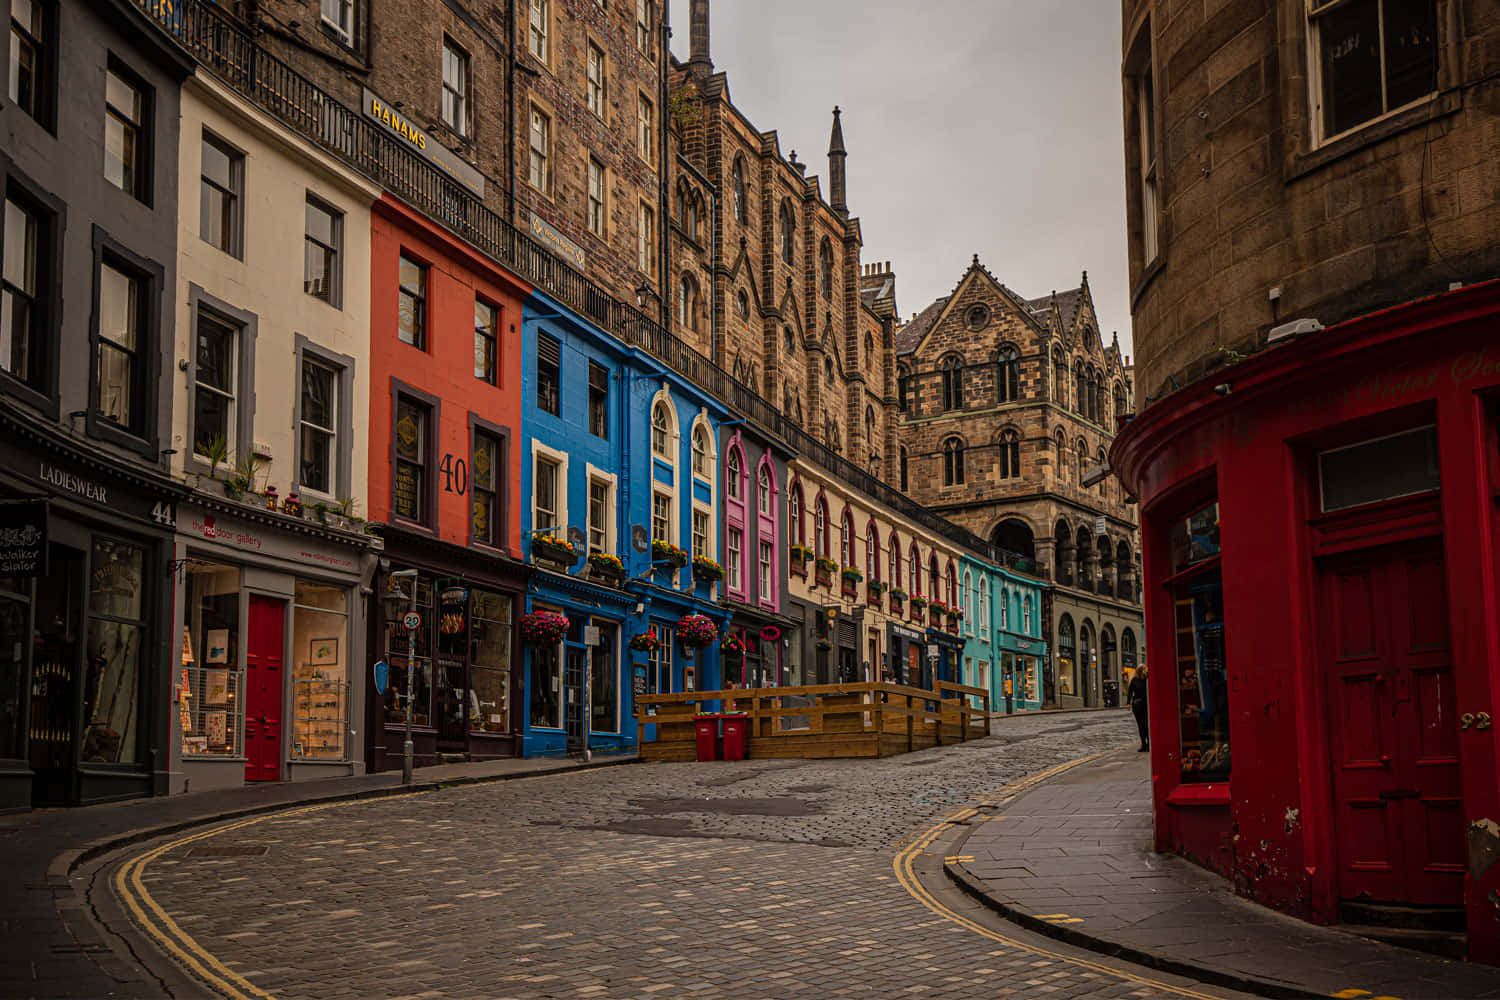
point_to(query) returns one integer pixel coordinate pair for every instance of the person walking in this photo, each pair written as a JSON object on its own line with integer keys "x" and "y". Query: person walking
{"x": 1136, "y": 696}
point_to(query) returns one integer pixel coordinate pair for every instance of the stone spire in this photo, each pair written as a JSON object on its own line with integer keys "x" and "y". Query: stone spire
{"x": 699, "y": 61}
{"x": 836, "y": 157}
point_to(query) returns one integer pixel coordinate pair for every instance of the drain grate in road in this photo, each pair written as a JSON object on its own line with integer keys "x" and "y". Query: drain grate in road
{"x": 229, "y": 851}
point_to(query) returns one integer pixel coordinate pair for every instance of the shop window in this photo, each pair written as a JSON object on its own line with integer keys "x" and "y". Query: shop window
{"x": 322, "y": 265}
{"x": 1384, "y": 468}
{"x": 320, "y": 651}
{"x": 221, "y": 202}
{"x": 210, "y": 707}
{"x": 412, "y": 309}
{"x": 598, "y": 400}
{"x": 398, "y": 656}
{"x": 127, "y": 132}
{"x": 1373, "y": 57}
{"x": 489, "y": 661}
{"x": 604, "y": 686}
{"x": 1198, "y": 613}
{"x": 1067, "y": 669}
{"x": 486, "y": 337}
{"x": 546, "y": 685}
{"x": 410, "y": 486}
{"x": 659, "y": 680}
{"x": 487, "y": 467}
{"x": 548, "y": 375}
{"x": 116, "y": 631}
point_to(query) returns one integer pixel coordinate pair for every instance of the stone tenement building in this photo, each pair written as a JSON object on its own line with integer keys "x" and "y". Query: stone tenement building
{"x": 1007, "y": 404}
{"x": 572, "y": 119}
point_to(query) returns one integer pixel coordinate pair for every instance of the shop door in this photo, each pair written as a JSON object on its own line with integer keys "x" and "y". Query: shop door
{"x": 263, "y": 689}
{"x": 54, "y": 691}
{"x": 575, "y": 697}
{"x": 1393, "y": 727}
{"x": 452, "y": 702}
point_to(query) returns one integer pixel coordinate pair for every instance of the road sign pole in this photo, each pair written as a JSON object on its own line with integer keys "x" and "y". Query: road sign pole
{"x": 408, "y": 751}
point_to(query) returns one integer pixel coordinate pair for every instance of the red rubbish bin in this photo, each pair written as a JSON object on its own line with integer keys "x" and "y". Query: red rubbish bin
{"x": 736, "y": 736}
{"x": 707, "y": 729}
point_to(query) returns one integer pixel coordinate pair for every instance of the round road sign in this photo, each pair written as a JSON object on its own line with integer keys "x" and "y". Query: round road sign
{"x": 412, "y": 621}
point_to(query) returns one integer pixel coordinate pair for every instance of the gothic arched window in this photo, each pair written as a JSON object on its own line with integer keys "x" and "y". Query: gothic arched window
{"x": 687, "y": 303}
{"x": 1008, "y": 376}
{"x": 825, "y": 270}
{"x": 738, "y": 187}
{"x": 1010, "y": 455}
{"x": 788, "y": 230}
{"x": 953, "y": 388}
{"x": 953, "y": 462}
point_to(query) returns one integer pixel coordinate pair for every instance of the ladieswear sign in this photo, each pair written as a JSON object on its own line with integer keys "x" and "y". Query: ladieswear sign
{"x": 23, "y": 539}
{"x": 420, "y": 142}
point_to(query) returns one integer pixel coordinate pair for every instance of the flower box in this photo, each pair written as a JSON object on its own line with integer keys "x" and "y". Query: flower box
{"x": 667, "y": 552}
{"x": 705, "y": 570}
{"x": 606, "y": 568}
{"x": 898, "y": 600}
{"x": 551, "y": 548}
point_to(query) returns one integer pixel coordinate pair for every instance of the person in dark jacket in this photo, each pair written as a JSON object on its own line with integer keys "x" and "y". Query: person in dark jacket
{"x": 1136, "y": 696}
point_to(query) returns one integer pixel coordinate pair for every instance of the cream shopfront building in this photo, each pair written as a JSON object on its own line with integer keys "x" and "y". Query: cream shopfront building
{"x": 270, "y": 646}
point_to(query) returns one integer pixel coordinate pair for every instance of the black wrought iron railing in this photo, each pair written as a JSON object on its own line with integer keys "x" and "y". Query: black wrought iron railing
{"x": 224, "y": 46}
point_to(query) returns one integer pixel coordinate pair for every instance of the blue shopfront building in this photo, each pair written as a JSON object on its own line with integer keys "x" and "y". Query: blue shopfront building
{"x": 617, "y": 453}
{"x": 1002, "y": 633}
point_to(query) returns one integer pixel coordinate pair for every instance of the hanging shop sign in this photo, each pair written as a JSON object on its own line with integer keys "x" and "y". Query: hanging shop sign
{"x": 382, "y": 672}
{"x": 23, "y": 539}
{"x": 420, "y": 142}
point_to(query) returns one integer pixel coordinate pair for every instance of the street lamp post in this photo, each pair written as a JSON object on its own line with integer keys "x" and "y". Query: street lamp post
{"x": 408, "y": 750}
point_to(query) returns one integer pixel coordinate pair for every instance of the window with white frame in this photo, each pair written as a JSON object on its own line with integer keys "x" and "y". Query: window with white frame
{"x": 701, "y": 533}
{"x": 596, "y": 80}
{"x": 732, "y": 472}
{"x": 764, "y": 492}
{"x": 541, "y": 142}
{"x": 1026, "y": 615}
{"x": 661, "y": 516}
{"x": 455, "y": 87}
{"x": 872, "y": 553}
{"x": 1145, "y": 99}
{"x": 914, "y": 571}
{"x": 646, "y": 239}
{"x": 538, "y": 35}
{"x": 734, "y": 541}
{"x": 767, "y": 563}
{"x": 846, "y": 541}
{"x": 895, "y": 564}
{"x": 984, "y": 606}
{"x": 1373, "y": 57}
{"x": 1004, "y": 609}
{"x": 215, "y": 385}
{"x": 546, "y": 494}
{"x": 338, "y": 15}
{"x": 601, "y": 514}
{"x": 968, "y": 602}
{"x": 645, "y": 128}
{"x": 596, "y": 214}
{"x": 643, "y": 25}
{"x": 661, "y": 431}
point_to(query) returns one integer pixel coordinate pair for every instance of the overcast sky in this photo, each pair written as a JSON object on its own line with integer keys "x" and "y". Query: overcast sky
{"x": 973, "y": 126}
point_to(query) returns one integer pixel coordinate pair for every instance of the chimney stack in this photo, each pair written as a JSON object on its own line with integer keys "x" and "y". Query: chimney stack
{"x": 699, "y": 60}
{"x": 836, "y": 156}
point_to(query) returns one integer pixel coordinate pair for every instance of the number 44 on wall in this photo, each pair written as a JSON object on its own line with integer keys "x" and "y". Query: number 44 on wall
{"x": 164, "y": 514}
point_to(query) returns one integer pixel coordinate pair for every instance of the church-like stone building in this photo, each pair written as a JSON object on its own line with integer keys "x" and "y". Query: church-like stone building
{"x": 1008, "y": 407}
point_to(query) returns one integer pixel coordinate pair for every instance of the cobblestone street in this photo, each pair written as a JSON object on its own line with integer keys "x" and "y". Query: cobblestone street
{"x": 763, "y": 879}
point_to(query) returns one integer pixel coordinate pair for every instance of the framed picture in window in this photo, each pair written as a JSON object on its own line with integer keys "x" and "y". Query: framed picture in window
{"x": 215, "y": 687}
{"x": 217, "y": 643}
{"x": 216, "y": 725}
{"x": 323, "y": 652}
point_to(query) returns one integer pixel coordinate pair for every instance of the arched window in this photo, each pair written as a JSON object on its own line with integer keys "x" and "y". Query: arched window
{"x": 869, "y": 347}
{"x": 788, "y": 230}
{"x": 933, "y": 590}
{"x": 914, "y": 568}
{"x": 689, "y": 215}
{"x": 968, "y": 600}
{"x": 846, "y": 540}
{"x": 796, "y": 528}
{"x": 1080, "y": 390}
{"x": 895, "y": 560}
{"x": 763, "y": 492}
{"x": 701, "y": 449}
{"x": 952, "y": 586}
{"x": 953, "y": 462}
{"x": 903, "y": 468}
{"x": 661, "y": 430}
{"x": 1004, "y": 609}
{"x": 1010, "y": 454}
{"x": 820, "y": 528}
{"x": 903, "y": 377}
{"x": 732, "y": 472}
{"x": 869, "y": 425}
{"x": 1008, "y": 376}
{"x": 827, "y": 368}
{"x": 872, "y": 552}
{"x": 953, "y": 379}
{"x": 1099, "y": 460}
{"x": 825, "y": 270}
{"x": 687, "y": 303}
{"x": 1119, "y": 405}
{"x": 1026, "y": 615}
{"x": 984, "y": 605}
{"x": 789, "y": 341}
{"x": 738, "y": 187}
{"x": 1059, "y": 378}
{"x": 1083, "y": 461}
{"x": 742, "y": 304}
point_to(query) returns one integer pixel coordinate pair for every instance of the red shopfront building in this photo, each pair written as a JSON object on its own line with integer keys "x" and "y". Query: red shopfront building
{"x": 1320, "y": 549}
{"x": 445, "y": 466}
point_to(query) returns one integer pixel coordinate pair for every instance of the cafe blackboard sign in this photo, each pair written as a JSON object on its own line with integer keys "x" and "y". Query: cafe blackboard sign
{"x": 23, "y": 539}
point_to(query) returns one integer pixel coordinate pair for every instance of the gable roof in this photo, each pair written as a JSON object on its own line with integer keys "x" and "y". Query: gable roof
{"x": 910, "y": 335}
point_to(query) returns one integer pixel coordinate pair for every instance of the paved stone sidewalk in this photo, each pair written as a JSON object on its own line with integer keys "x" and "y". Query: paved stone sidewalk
{"x": 49, "y": 945}
{"x": 1077, "y": 849}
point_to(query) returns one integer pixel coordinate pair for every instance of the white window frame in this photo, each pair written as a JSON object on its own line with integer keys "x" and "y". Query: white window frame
{"x": 1316, "y": 9}
{"x": 734, "y": 558}
{"x": 539, "y": 157}
{"x": 1146, "y": 125}
{"x": 643, "y": 14}
{"x": 645, "y": 128}
{"x": 766, "y": 567}
{"x": 598, "y": 477}
{"x": 460, "y": 88}
{"x": 332, "y": 432}
{"x": 968, "y": 602}
{"x": 597, "y": 207}
{"x": 1026, "y": 615}
{"x": 538, "y": 31}
{"x": 540, "y": 451}
{"x": 660, "y": 492}
{"x": 1005, "y": 609}
{"x": 645, "y": 223}
{"x": 984, "y": 607}
{"x": 342, "y": 22}
{"x": 596, "y": 72}
{"x": 668, "y": 430}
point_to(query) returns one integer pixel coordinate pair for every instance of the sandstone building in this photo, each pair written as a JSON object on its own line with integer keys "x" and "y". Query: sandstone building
{"x": 1007, "y": 403}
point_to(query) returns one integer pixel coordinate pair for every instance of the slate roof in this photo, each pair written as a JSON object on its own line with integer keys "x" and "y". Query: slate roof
{"x": 910, "y": 335}
{"x": 1067, "y": 305}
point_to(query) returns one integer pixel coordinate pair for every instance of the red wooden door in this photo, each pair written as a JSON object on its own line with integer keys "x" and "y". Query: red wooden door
{"x": 1393, "y": 727}
{"x": 263, "y": 689}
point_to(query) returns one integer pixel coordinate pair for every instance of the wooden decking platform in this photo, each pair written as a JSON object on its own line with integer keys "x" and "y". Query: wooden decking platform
{"x": 818, "y": 721}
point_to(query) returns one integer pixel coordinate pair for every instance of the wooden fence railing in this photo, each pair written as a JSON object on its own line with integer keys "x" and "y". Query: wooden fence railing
{"x": 821, "y": 720}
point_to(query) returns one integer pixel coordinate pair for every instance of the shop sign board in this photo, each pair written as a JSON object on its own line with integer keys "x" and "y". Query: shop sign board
{"x": 88, "y": 488}
{"x": 419, "y": 142}
{"x": 638, "y": 680}
{"x": 23, "y": 539}
{"x": 554, "y": 240}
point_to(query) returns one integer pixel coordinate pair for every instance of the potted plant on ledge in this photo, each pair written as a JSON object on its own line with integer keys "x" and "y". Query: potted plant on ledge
{"x": 898, "y": 600}
{"x": 662, "y": 551}
{"x": 823, "y": 571}
{"x": 553, "y": 548}
{"x": 801, "y": 554}
{"x": 705, "y": 570}
{"x": 606, "y": 568}
{"x": 874, "y": 591}
{"x": 851, "y": 577}
{"x": 918, "y": 608}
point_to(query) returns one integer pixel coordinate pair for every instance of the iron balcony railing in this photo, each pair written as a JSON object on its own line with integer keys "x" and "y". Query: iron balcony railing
{"x": 223, "y": 45}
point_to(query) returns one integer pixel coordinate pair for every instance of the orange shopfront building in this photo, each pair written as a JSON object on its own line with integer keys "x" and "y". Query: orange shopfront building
{"x": 445, "y": 413}
{"x": 1320, "y": 550}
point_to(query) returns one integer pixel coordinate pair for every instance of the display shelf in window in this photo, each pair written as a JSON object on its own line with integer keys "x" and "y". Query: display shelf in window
{"x": 319, "y": 709}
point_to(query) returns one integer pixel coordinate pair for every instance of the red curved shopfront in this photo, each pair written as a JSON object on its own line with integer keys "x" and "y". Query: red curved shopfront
{"x": 1320, "y": 557}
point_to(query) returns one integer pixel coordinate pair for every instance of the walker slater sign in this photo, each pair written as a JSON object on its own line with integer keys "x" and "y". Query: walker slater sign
{"x": 420, "y": 142}
{"x": 23, "y": 539}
